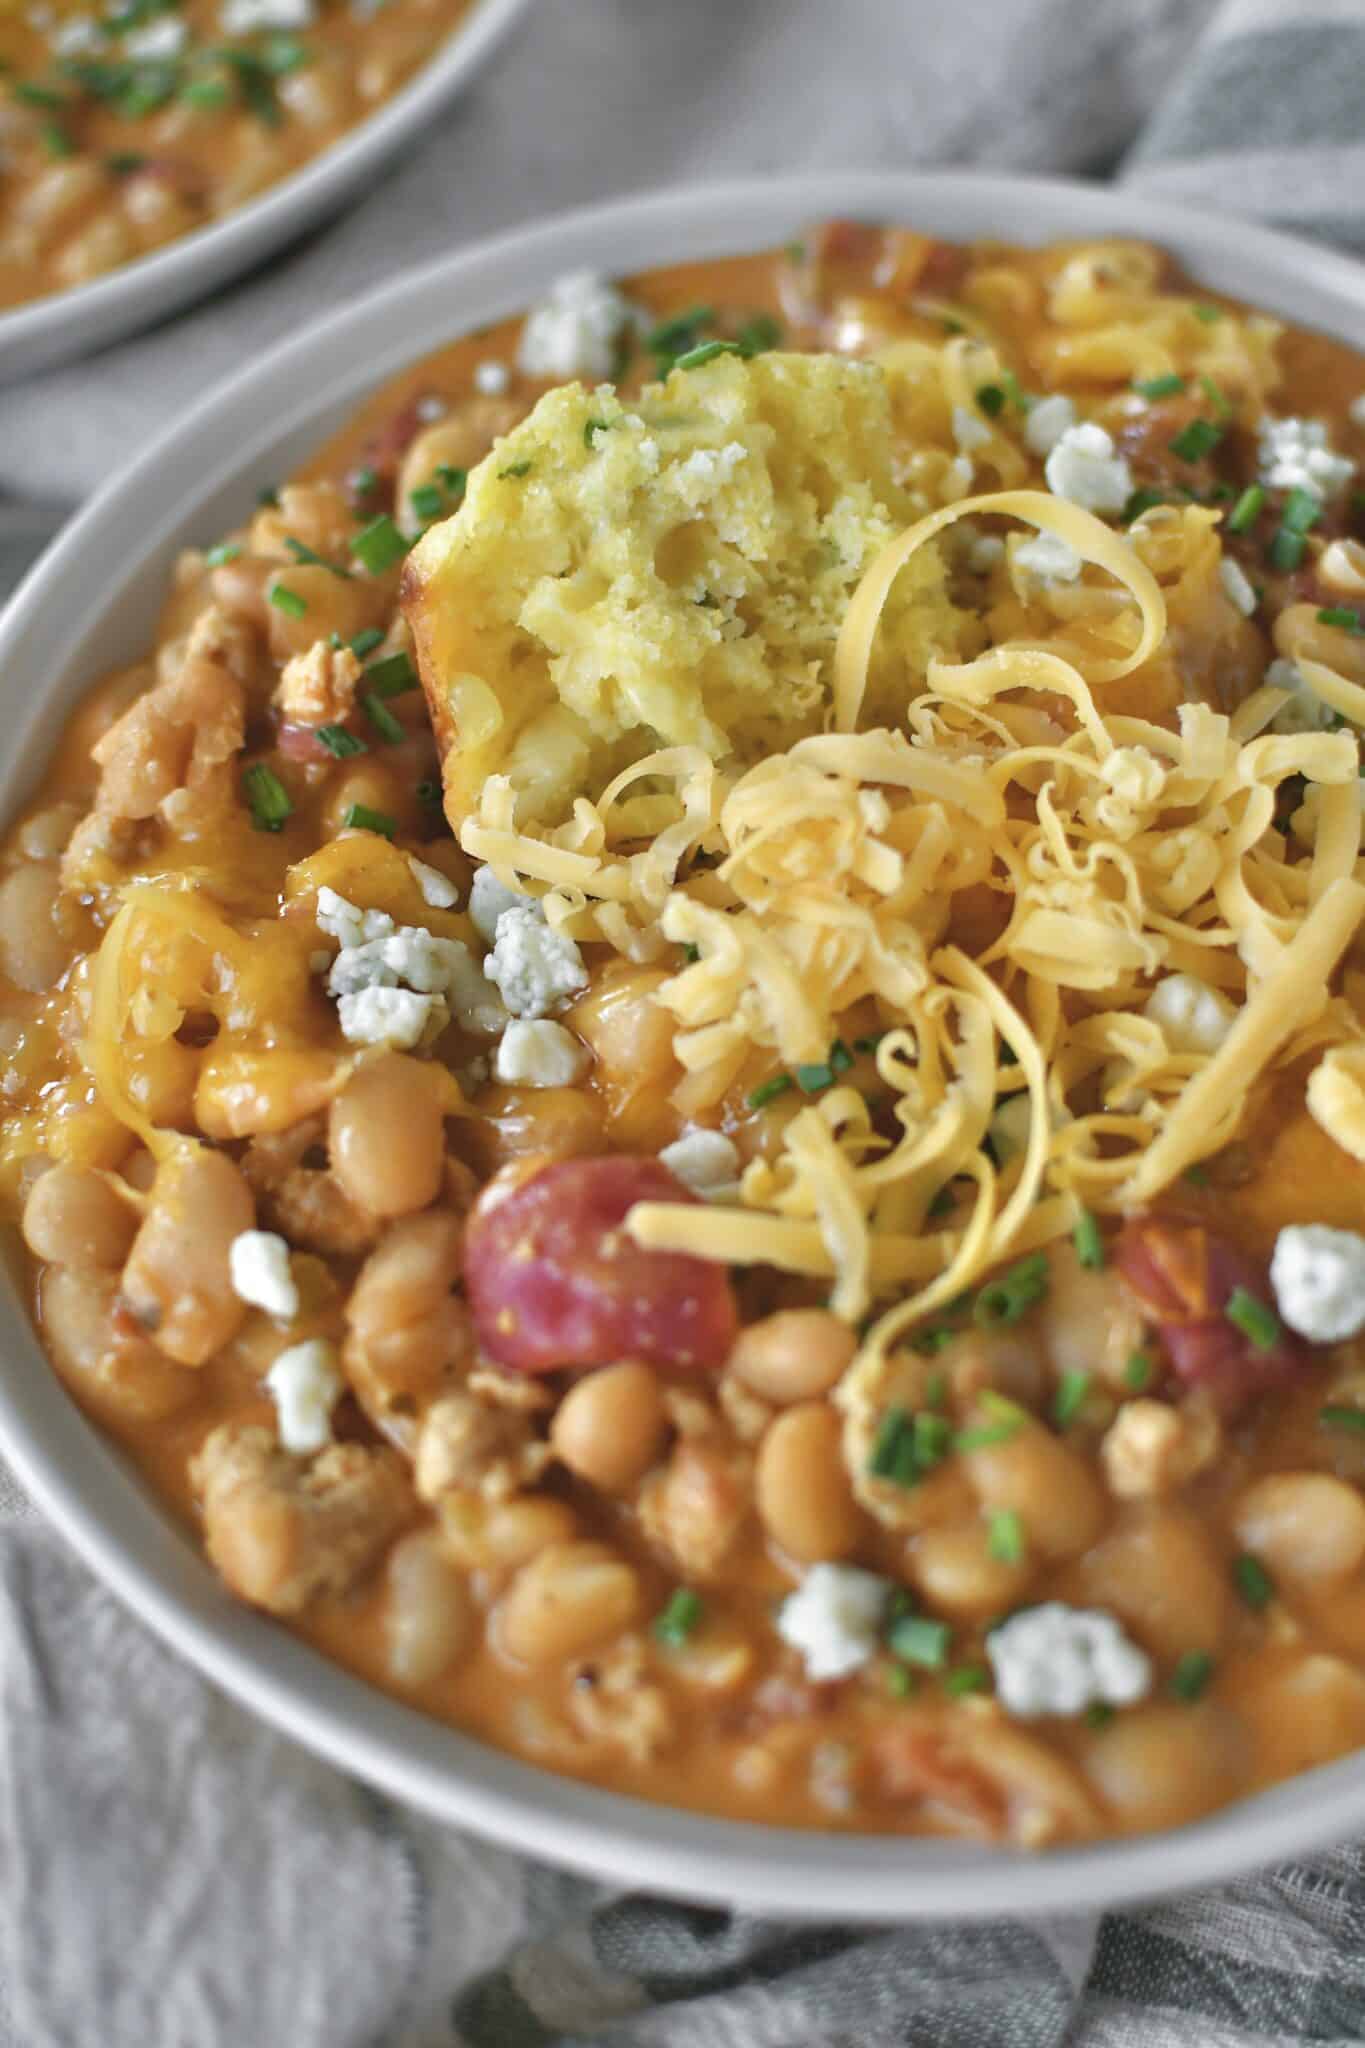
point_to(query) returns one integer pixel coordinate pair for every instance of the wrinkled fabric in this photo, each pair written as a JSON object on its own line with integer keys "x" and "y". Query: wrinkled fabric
{"x": 174, "y": 1875}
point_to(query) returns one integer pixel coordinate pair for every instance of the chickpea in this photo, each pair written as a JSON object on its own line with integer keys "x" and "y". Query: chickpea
{"x": 794, "y": 1355}
{"x": 953, "y": 1568}
{"x": 543, "y": 1123}
{"x": 1158, "y": 1573}
{"x": 498, "y": 1538}
{"x": 429, "y": 1618}
{"x": 567, "y": 1601}
{"x": 1304, "y": 1708}
{"x": 630, "y": 1034}
{"x": 805, "y": 1501}
{"x": 330, "y": 606}
{"x": 1048, "y": 1485}
{"x": 1303, "y": 1525}
{"x": 33, "y": 952}
{"x": 177, "y": 1280}
{"x": 609, "y": 1428}
{"x": 1166, "y": 1762}
{"x": 73, "y": 1217}
{"x": 385, "y": 1137}
{"x": 122, "y": 1378}
{"x": 376, "y": 786}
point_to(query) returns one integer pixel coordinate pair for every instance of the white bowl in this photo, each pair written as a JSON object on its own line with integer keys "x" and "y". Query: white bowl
{"x": 51, "y": 330}
{"x": 115, "y": 557}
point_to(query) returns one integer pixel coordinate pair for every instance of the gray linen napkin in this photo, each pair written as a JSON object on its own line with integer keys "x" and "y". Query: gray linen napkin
{"x": 172, "y": 1875}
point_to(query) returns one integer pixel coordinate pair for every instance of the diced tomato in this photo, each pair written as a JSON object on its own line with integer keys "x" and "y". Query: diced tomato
{"x": 1184, "y": 1279}
{"x": 554, "y": 1280}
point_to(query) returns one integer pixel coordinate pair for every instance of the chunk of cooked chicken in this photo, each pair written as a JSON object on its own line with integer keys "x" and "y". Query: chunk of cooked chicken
{"x": 318, "y": 687}
{"x": 282, "y": 1529}
{"x": 1152, "y": 1447}
{"x": 467, "y": 1445}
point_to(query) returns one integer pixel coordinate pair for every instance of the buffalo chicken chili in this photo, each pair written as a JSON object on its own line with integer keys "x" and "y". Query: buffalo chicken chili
{"x": 125, "y": 125}
{"x": 688, "y": 1062}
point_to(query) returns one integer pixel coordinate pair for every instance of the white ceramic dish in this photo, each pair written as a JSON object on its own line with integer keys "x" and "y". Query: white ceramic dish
{"x": 115, "y": 555}
{"x": 52, "y": 330}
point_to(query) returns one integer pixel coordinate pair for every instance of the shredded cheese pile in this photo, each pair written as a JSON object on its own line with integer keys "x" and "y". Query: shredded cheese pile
{"x": 1116, "y": 851}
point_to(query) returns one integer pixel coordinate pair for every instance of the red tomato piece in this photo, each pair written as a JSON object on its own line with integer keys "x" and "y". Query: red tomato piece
{"x": 1184, "y": 1280}
{"x": 554, "y": 1280}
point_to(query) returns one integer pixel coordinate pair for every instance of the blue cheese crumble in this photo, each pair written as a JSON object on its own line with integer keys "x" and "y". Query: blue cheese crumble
{"x": 1056, "y": 1659}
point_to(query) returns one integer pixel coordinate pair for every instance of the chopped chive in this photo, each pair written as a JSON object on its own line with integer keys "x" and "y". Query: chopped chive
{"x": 283, "y": 54}
{"x": 678, "y": 331}
{"x": 767, "y": 1091}
{"x": 1247, "y": 510}
{"x": 933, "y": 1437}
{"x": 1253, "y": 1318}
{"x": 930, "y": 1342}
{"x": 870, "y": 1043}
{"x": 427, "y": 502}
{"x": 691, "y": 954}
{"x": 1286, "y": 550}
{"x": 301, "y": 552}
{"x": 1005, "y": 1536}
{"x": 1208, "y": 314}
{"x": 1088, "y": 1241}
{"x": 287, "y": 601}
{"x": 365, "y": 642}
{"x": 1196, "y": 440}
{"x": 936, "y": 1390}
{"x": 382, "y": 719}
{"x": 967, "y": 1678}
{"x": 810, "y": 1080}
{"x": 361, "y": 818}
{"x": 840, "y": 1058}
{"x": 379, "y": 545}
{"x": 208, "y": 94}
{"x": 1139, "y": 502}
{"x": 1337, "y": 1416}
{"x": 1192, "y": 1674}
{"x": 759, "y": 334}
{"x": 892, "y": 1446}
{"x": 679, "y": 1618}
{"x": 1340, "y": 615}
{"x": 592, "y": 427}
{"x": 339, "y": 742}
{"x": 363, "y": 481}
{"x": 56, "y": 141}
{"x": 392, "y": 676}
{"x": 267, "y": 798}
{"x": 986, "y": 1435}
{"x": 124, "y": 163}
{"x": 900, "y": 1681}
{"x": 1252, "y": 1580}
{"x": 452, "y": 480}
{"x": 429, "y": 795}
{"x": 1302, "y": 510}
{"x": 1005, "y": 1300}
{"x": 1159, "y": 387}
{"x": 706, "y": 353}
{"x": 1215, "y": 395}
{"x": 516, "y": 469}
{"x": 268, "y": 498}
{"x": 991, "y": 399}
{"x": 30, "y": 95}
{"x": 1137, "y": 1372}
{"x": 1098, "y": 1714}
{"x": 225, "y": 551}
{"x": 1072, "y": 1389}
{"x": 917, "y": 1640}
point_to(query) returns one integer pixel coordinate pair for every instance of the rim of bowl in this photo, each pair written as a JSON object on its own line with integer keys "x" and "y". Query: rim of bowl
{"x": 204, "y": 470}
{"x": 167, "y": 278}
